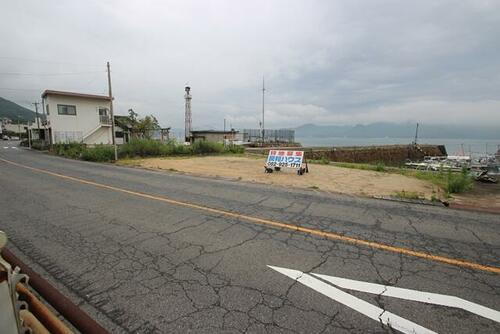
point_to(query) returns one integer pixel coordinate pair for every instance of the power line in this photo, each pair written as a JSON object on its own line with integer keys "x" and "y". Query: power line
{"x": 48, "y": 61}
{"x": 49, "y": 74}
{"x": 23, "y": 89}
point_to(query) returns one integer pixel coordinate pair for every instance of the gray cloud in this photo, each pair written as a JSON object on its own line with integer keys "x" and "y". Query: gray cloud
{"x": 325, "y": 62}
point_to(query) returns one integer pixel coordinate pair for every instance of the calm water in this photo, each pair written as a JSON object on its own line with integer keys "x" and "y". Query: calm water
{"x": 453, "y": 146}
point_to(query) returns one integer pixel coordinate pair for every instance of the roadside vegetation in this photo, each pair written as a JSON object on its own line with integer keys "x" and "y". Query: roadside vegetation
{"x": 411, "y": 195}
{"x": 450, "y": 182}
{"x": 140, "y": 148}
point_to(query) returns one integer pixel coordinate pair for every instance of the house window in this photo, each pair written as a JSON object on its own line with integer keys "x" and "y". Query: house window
{"x": 63, "y": 109}
{"x": 47, "y": 109}
{"x": 103, "y": 111}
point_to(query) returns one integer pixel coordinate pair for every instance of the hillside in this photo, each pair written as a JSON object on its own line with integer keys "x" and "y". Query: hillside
{"x": 12, "y": 110}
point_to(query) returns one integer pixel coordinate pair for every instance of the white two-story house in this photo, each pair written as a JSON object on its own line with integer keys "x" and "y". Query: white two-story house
{"x": 75, "y": 117}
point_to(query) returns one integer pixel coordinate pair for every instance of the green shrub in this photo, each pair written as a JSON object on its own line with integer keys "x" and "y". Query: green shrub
{"x": 412, "y": 195}
{"x": 324, "y": 161}
{"x": 459, "y": 182}
{"x": 71, "y": 150}
{"x": 39, "y": 145}
{"x": 181, "y": 149}
{"x": 206, "y": 147}
{"x": 380, "y": 167}
{"x": 141, "y": 147}
{"x": 99, "y": 153}
{"x": 236, "y": 149}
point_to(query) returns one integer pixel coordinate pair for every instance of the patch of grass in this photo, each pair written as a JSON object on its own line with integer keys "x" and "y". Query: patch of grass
{"x": 99, "y": 153}
{"x": 314, "y": 187}
{"x": 142, "y": 148}
{"x": 434, "y": 198}
{"x": 153, "y": 148}
{"x": 379, "y": 167}
{"x": 71, "y": 150}
{"x": 206, "y": 147}
{"x": 234, "y": 149}
{"x": 459, "y": 182}
{"x": 322, "y": 161}
{"x": 450, "y": 182}
{"x": 40, "y": 145}
{"x": 412, "y": 195}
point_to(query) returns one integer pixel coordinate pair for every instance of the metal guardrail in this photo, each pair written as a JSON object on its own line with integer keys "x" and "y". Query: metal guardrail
{"x": 27, "y": 311}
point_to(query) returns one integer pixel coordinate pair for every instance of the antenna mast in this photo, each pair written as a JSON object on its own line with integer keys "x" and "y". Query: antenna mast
{"x": 263, "y": 92}
{"x": 188, "y": 120}
{"x": 416, "y": 135}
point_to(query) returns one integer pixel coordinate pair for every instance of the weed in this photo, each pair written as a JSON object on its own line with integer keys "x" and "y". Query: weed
{"x": 99, "y": 153}
{"x": 459, "y": 182}
{"x": 70, "y": 150}
{"x": 380, "y": 167}
{"x": 408, "y": 195}
{"x": 153, "y": 148}
{"x": 206, "y": 147}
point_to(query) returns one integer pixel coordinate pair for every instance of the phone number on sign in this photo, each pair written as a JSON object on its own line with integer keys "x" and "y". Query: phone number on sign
{"x": 284, "y": 164}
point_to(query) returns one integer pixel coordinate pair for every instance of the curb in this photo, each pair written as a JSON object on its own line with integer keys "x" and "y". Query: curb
{"x": 413, "y": 201}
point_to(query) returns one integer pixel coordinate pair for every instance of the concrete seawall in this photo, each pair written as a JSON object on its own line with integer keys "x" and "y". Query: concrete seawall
{"x": 388, "y": 154}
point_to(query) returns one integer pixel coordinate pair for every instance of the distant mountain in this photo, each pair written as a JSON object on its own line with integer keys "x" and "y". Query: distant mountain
{"x": 12, "y": 110}
{"x": 394, "y": 130}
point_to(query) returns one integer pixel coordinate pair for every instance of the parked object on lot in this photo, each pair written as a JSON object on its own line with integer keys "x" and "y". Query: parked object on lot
{"x": 438, "y": 163}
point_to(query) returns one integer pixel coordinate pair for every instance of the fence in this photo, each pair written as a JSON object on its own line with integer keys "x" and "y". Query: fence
{"x": 270, "y": 135}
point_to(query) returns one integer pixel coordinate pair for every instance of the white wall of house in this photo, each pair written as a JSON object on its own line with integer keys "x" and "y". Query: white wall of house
{"x": 85, "y": 126}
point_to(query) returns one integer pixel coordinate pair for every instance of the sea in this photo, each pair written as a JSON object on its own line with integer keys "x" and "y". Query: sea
{"x": 473, "y": 147}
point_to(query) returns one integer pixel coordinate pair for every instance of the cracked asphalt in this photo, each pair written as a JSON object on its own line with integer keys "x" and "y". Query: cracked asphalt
{"x": 144, "y": 266}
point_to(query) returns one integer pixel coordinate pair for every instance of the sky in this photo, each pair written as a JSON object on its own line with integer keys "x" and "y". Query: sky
{"x": 324, "y": 62}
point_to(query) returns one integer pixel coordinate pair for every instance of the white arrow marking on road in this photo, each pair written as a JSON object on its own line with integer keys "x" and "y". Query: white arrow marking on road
{"x": 418, "y": 296}
{"x": 371, "y": 311}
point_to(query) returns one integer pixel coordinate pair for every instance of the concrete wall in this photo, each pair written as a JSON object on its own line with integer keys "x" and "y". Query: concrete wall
{"x": 388, "y": 154}
{"x": 77, "y": 127}
{"x": 215, "y": 137}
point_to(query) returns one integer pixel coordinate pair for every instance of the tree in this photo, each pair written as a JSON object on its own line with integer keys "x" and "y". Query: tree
{"x": 143, "y": 127}
{"x": 132, "y": 115}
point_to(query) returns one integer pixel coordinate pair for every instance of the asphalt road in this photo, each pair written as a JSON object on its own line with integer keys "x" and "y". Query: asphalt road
{"x": 144, "y": 252}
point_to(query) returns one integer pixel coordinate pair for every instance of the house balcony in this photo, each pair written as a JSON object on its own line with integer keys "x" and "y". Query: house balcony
{"x": 105, "y": 120}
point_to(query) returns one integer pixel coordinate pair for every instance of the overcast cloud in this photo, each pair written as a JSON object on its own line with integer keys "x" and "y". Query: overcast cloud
{"x": 325, "y": 62}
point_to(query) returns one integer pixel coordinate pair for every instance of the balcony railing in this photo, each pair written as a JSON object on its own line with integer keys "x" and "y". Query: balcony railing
{"x": 104, "y": 119}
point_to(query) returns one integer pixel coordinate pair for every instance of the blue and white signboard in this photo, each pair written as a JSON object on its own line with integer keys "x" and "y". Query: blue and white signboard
{"x": 281, "y": 158}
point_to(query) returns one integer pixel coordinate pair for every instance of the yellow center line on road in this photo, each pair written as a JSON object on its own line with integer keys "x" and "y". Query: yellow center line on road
{"x": 286, "y": 226}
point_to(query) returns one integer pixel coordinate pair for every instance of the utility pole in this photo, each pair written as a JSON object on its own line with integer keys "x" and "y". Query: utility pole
{"x": 44, "y": 121}
{"x": 416, "y": 135}
{"x": 36, "y": 112}
{"x": 29, "y": 135}
{"x": 37, "y": 117}
{"x": 111, "y": 112}
{"x": 224, "y": 132}
{"x": 263, "y": 92}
